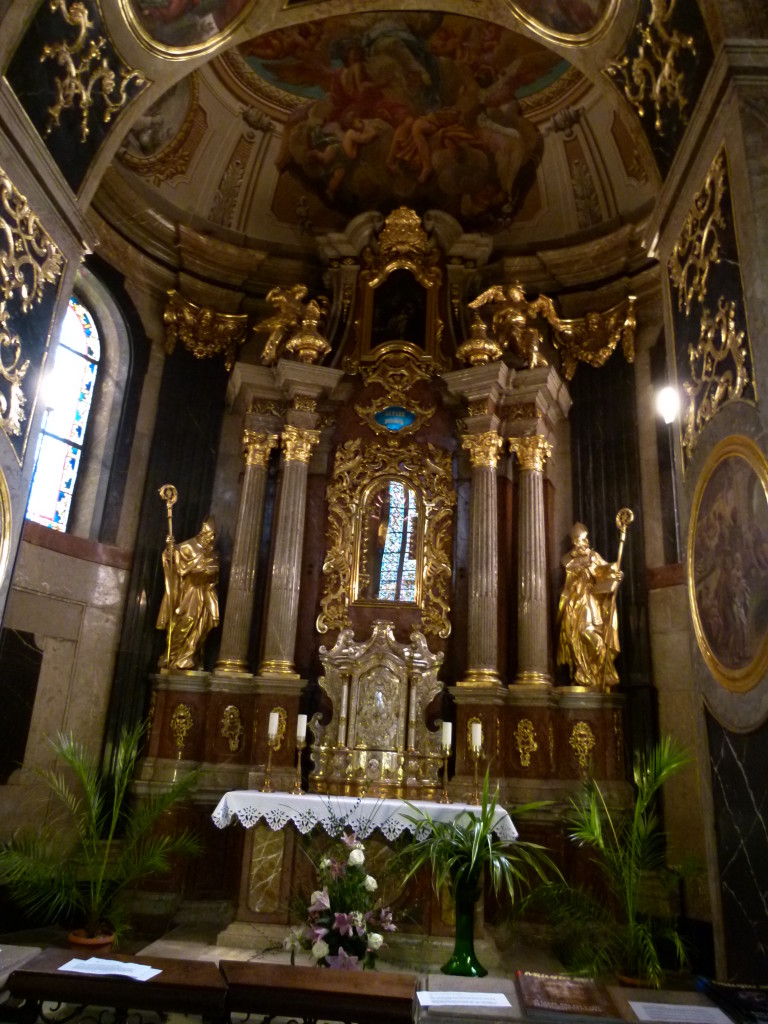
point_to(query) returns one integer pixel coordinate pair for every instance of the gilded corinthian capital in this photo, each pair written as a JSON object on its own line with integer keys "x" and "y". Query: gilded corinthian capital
{"x": 483, "y": 448}
{"x": 257, "y": 446}
{"x": 298, "y": 443}
{"x": 532, "y": 451}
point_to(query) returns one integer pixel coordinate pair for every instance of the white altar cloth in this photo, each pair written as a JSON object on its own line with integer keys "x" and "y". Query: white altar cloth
{"x": 361, "y": 815}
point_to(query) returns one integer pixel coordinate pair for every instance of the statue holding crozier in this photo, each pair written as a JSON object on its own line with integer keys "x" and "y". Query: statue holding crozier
{"x": 190, "y": 606}
{"x": 588, "y": 641}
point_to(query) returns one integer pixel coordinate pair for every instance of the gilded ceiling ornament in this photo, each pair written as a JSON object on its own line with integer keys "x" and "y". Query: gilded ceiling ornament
{"x": 29, "y": 260}
{"x": 298, "y": 443}
{"x": 174, "y": 159}
{"x": 653, "y": 75}
{"x": 257, "y": 446}
{"x": 478, "y": 348}
{"x": 403, "y": 244}
{"x": 292, "y": 318}
{"x": 532, "y": 451}
{"x": 525, "y": 740}
{"x": 203, "y": 332}
{"x": 698, "y": 246}
{"x": 85, "y": 70}
{"x": 582, "y": 742}
{"x": 181, "y": 723}
{"x": 718, "y": 368}
{"x": 232, "y": 727}
{"x": 483, "y": 449}
{"x": 593, "y": 337}
{"x": 428, "y": 471}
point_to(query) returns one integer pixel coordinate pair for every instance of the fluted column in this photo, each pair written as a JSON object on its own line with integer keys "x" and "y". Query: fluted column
{"x": 283, "y": 610}
{"x": 233, "y": 656}
{"x": 532, "y": 618}
{"x": 483, "y": 610}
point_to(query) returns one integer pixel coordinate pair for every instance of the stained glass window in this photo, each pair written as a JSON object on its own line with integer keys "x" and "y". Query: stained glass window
{"x": 68, "y": 395}
{"x": 397, "y": 581}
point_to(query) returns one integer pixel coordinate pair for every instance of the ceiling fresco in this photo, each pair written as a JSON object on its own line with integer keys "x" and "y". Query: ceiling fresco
{"x": 566, "y": 17}
{"x": 427, "y": 109}
{"x": 180, "y": 23}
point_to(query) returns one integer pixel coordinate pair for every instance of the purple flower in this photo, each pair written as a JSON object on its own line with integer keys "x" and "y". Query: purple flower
{"x": 344, "y": 924}
{"x": 320, "y": 901}
{"x": 385, "y": 920}
{"x": 336, "y": 869}
{"x": 315, "y": 932}
{"x": 350, "y": 839}
{"x": 342, "y": 961}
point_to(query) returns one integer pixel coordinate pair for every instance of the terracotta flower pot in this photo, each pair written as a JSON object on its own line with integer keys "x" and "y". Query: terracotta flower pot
{"x": 90, "y": 943}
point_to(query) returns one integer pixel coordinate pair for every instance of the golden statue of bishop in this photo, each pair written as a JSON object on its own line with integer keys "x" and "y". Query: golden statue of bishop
{"x": 588, "y": 641}
{"x": 190, "y": 606}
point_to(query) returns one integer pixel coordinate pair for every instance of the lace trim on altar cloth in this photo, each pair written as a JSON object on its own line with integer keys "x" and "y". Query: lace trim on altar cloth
{"x": 362, "y": 816}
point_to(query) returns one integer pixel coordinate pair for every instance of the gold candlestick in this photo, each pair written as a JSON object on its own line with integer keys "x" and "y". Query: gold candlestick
{"x": 445, "y": 799}
{"x": 475, "y": 797}
{"x": 300, "y": 744}
{"x": 271, "y": 745}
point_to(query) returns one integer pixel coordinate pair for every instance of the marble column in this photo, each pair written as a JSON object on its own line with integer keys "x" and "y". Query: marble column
{"x": 532, "y": 616}
{"x": 483, "y": 610}
{"x": 283, "y": 610}
{"x": 233, "y": 655}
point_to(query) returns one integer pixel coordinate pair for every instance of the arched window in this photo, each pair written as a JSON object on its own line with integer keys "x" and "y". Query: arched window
{"x": 69, "y": 391}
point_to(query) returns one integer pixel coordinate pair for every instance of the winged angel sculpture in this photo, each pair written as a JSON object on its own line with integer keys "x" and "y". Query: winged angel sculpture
{"x": 590, "y": 339}
{"x": 284, "y": 326}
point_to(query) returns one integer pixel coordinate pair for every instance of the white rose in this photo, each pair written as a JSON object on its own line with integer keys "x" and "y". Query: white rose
{"x": 370, "y": 883}
{"x": 320, "y": 949}
{"x": 375, "y": 940}
{"x": 356, "y": 858}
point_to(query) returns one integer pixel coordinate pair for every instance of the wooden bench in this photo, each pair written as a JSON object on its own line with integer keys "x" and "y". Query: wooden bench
{"x": 364, "y": 997}
{"x": 186, "y": 986}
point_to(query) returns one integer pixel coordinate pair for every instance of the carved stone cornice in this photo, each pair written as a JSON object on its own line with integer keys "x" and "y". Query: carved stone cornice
{"x": 257, "y": 446}
{"x": 483, "y": 449}
{"x": 202, "y": 331}
{"x": 298, "y": 444}
{"x": 532, "y": 451}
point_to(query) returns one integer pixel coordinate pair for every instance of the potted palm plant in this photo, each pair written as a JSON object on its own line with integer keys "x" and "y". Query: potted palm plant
{"x": 608, "y": 928}
{"x": 459, "y": 852}
{"x": 114, "y": 843}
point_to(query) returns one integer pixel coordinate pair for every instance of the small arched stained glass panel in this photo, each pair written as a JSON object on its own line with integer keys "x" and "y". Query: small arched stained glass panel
{"x": 68, "y": 394}
{"x": 389, "y": 558}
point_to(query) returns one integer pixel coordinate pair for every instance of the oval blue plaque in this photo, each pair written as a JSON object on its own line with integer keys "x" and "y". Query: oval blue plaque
{"x": 394, "y": 417}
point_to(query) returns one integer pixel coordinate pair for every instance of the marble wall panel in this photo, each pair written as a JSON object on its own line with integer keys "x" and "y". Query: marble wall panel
{"x": 739, "y": 767}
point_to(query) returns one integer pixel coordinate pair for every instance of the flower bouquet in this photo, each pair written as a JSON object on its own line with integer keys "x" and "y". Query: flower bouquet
{"x": 344, "y": 927}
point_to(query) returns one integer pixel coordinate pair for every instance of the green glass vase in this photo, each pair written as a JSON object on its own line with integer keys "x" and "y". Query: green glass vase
{"x": 463, "y": 960}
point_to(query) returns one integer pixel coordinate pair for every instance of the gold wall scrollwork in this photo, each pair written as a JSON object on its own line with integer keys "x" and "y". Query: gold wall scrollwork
{"x": 181, "y": 723}
{"x": 653, "y": 75}
{"x": 232, "y": 727}
{"x": 582, "y": 742}
{"x": 525, "y": 741}
{"x": 282, "y": 719}
{"x": 203, "y": 332}
{"x": 85, "y": 71}
{"x": 698, "y": 246}
{"x": 29, "y": 260}
{"x": 428, "y": 471}
{"x": 718, "y": 369}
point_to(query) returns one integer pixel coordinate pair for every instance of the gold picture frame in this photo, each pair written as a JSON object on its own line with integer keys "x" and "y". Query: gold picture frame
{"x": 727, "y": 563}
{"x": 5, "y": 525}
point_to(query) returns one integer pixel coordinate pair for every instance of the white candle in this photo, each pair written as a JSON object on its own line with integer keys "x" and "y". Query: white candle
{"x": 477, "y": 735}
{"x": 274, "y": 719}
{"x": 301, "y": 728}
{"x": 447, "y": 735}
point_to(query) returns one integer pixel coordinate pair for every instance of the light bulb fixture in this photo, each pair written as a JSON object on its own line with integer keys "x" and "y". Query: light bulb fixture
{"x": 668, "y": 404}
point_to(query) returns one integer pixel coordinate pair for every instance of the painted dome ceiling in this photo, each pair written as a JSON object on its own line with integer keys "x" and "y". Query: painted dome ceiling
{"x": 297, "y": 131}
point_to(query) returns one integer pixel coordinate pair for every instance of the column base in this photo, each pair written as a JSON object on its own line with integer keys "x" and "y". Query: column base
{"x": 231, "y": 667}
{"x": 529, "y": 678}
{"x": 481, "y": 677}
{"x": 278, "y": 670}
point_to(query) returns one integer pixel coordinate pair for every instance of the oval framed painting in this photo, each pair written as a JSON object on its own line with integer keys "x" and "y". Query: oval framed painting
{"x": 728, "y": 563}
